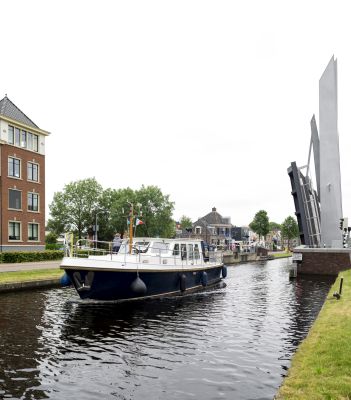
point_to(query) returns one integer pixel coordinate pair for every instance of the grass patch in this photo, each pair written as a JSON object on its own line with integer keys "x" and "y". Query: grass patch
{"x": 321, "y": 368}
{"x": 281, "y": 255}
{"x": 32, "y": 275}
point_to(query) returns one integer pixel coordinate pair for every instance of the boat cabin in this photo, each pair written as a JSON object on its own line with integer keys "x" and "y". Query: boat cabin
{"x": 183, "y": 249}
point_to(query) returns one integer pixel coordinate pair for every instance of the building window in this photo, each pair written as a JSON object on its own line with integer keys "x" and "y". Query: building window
{"x": 33, "y": 202}
{"x": 11, "y": 135}
{"x": 33, "y": 141}
{"x": 14, "y": 230}
{"x": 29, "y": 141}
{"x": 33, "y": 172}
{"x": 15, "y": 199}
{"x": 24, "y": 139}
{"x": 198, "y": 230}
{"x": 17, "y": 136}
{"x": 14, "y": 166}
{"x": 33, "y": 231}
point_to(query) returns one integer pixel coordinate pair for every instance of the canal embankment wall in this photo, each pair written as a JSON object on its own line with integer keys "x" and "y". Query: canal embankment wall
{"x": 234, "y": 257}
{"x": 26, "y": 285}
{"x": 321, "y": 261}
{"x": 24, "y": 282}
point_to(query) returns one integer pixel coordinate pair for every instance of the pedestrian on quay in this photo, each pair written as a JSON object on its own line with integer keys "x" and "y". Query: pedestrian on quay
{"x": 116, "y": 244}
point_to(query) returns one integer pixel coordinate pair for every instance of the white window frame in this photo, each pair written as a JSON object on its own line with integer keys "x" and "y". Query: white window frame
{"x": 38, "y": 232}
{"x": 16, "y": 135}
{"x": 23, "y": 136}
{"x": 38, "y": 197}
{"x": 38, "y": 171}
{"x": 9, "y": 206}
{"x": 20, "y": 167}
{"x": 11, "y": 139}
{"x": 20, "y": 231}
{"x": 35, "y": 146}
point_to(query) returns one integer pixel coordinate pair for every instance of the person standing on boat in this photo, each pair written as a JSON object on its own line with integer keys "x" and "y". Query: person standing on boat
{"x": 116, "y": 244}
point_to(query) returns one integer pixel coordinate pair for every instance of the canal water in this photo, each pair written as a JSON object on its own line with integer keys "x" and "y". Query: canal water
{"x": 226, "y": 343}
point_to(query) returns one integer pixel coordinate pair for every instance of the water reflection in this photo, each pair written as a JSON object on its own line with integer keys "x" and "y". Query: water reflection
{"x": 20, "y": 315}
{"x": 104, "y": 319}
{"x": 234, "y": 342}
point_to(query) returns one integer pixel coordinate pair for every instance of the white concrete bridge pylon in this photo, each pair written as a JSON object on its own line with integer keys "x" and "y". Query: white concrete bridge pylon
{"x": 330, "y": 177}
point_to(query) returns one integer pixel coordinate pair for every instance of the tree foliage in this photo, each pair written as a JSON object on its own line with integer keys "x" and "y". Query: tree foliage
{"x": 117, "y": 202}
{"x": 260, "y": 223}
{"x": 290, "y": 229}
{"x": 157, "y": 212}
{"x": 185, "y": 222}
{"x": 82, "y": 203}
{"x": 274, "y": 226}
{"x": 51, "y": 238}
{"x": 74, "y": 208}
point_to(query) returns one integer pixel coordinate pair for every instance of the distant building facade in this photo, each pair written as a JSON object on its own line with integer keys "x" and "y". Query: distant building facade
{"x": 240, "y": 233}
{"x": 22, "y": 180}
{"x": 213, "y": 229}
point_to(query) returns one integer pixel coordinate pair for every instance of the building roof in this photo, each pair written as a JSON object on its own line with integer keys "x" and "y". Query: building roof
{"x": 214, "y": 218}
{"x": 10, "y": 110}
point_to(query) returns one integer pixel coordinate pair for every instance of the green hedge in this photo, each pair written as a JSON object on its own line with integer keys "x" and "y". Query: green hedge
{"x": 53, "y": 246}
{"x": 30, "y": 256}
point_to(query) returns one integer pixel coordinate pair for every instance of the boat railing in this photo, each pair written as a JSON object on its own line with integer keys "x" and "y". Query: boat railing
{"x": 141, "y": 253}
{"x": 85, "y": 248}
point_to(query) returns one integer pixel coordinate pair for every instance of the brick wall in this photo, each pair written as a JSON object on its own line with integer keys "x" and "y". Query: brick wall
{"x": 323, "y": 261}
{"x": 24, "y": 216}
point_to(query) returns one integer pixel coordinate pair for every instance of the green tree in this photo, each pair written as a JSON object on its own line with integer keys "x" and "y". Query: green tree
{"x": 274, "y": 226}
{"x": 260, "y": 224}
{"x": 150, "y": 206}
{"x": 74, "y": 209}
{"x": 185, "y": 222}
{"x": 157, "y": 212}
{"x": 290, "y": 229}
{"x": 51, "y": 238}
{"x": 119, "y": 203}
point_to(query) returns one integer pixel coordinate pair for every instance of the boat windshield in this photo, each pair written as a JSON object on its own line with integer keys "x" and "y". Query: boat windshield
{"x": 159, "y": 247}
{"x": 141, "y": 247}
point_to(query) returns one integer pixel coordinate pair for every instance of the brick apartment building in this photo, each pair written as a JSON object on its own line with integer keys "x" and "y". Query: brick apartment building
{"x": 22, "y": 180}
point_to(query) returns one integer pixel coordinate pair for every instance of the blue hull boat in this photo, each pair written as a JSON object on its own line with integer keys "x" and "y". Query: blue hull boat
{"x": 147, "y": 268}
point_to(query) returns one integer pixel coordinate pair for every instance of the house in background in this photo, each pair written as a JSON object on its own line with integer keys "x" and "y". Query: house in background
{"x": 213, "y": 229}
{"x": 241, "y": 233}
{"x": 22, "y": 180}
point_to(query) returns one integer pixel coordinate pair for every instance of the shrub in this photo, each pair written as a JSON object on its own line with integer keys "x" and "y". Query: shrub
{"x": 53, "y": 246}
{"x": 30, "y": 256}
{"x": 51, "y": 238}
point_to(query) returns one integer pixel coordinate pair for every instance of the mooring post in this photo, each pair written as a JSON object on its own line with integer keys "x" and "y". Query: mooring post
{"x": 341, "y": 282}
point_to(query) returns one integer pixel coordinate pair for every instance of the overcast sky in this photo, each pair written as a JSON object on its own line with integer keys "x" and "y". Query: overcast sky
{"x": 208, "y": 100}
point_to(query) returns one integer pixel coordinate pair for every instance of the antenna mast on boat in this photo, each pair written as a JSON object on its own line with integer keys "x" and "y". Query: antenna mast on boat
{"x": 131, "y": 215}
